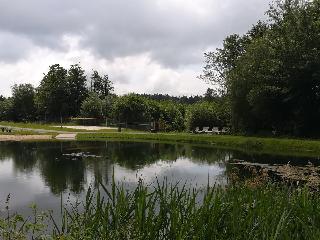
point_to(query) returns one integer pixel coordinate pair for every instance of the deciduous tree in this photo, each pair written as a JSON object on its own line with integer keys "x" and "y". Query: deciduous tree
{"x": 23, "y": 100}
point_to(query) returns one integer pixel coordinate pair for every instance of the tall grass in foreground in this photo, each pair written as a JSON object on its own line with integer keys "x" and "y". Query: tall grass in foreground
{"x": 169, "y": 212}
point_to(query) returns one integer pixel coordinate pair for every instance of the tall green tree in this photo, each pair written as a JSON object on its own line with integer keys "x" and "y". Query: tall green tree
{"x": 272, "y": 73}
{"x": 23, "y": 100}
{"x": 61, "y": 92}
{"x": 77, "y": 86}
{"x": 211, "y": 95}
{"x": 220, "y": 63}
{"x": 101, "y": 85}
{"x": 6, "y": 109}
{"x": 54, "y": 94}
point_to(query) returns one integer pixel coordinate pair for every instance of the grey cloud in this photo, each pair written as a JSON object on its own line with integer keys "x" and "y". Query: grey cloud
{"x": 170, "y": 33}
{"x": 13, "y": 46}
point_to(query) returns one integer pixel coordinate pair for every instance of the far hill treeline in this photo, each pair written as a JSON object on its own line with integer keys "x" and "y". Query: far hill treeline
{"x": 265, "y": 82}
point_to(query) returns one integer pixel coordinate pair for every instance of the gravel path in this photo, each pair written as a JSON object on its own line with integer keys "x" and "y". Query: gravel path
{"x": 89, "y": 128}
{"x": 18, "y": 138}
{"x": 67, "y": 136}
{"x": 32, "y": 129}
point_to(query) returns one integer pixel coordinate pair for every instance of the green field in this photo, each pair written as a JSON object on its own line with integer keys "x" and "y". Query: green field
{"x": 290, "y": 147}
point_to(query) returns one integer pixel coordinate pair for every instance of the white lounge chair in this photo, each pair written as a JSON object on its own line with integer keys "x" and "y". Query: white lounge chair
{"x": 197, "y": 130}
{"x": 215, "y": 130}
{"x": 206, "y": 130}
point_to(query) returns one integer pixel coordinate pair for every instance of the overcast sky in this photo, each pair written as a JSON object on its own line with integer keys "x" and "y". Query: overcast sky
{"x": 151, "y": 46}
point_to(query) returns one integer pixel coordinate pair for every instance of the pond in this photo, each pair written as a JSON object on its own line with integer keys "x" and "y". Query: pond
{"x": 46, "y": 172}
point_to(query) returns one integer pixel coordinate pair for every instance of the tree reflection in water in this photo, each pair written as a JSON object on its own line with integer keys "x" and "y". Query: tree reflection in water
{"x": 66, "y": 165}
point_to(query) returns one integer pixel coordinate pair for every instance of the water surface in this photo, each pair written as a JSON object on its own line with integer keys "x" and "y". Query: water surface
{"x": 45, "y": 172}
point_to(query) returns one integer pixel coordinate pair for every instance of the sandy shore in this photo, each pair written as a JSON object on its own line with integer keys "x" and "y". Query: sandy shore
{"x": 18, "y": 138}
{"x": 89, "y": 128}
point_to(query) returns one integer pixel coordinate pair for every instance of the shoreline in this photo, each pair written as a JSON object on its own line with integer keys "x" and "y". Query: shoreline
{"x": 275, "y": 146}
{"x": 247, "y": 144}
{"x": 20, "y": 138}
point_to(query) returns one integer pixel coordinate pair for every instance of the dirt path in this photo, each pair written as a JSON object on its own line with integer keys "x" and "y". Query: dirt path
{"x": 67, "y": 136}
{"x": 89, "y": 128}
{"x": 42, "y": 131}
{"x": 18, "y": 138}
{"x": 32, "y": 129}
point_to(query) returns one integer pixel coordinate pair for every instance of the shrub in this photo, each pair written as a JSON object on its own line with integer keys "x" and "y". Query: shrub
{"x": 207, "y": 114}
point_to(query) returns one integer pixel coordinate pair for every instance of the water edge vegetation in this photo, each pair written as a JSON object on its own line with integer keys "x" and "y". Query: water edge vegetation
{"x": 267, "y": 211}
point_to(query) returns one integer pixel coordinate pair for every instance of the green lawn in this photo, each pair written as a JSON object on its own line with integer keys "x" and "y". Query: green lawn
{"x": 280, "y": 146}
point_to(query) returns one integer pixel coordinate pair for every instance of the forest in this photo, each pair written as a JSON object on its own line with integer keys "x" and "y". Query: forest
{"x": 271, "y": 74}
{"x": 64, "y": 94}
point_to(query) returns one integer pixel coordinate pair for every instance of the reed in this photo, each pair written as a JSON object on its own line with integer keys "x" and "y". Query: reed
{"x": 168, "y": 211}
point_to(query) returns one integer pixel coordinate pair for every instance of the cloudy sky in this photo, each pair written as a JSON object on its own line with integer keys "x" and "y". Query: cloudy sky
{"x": 151, "y": 46}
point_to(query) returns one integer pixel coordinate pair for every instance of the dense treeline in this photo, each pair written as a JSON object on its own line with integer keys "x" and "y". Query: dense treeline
{"x": 60, "y": 95}
{"x": 271, "y": 75}
{"x": 65, "y": 93}
{"x": 182, "y": 99}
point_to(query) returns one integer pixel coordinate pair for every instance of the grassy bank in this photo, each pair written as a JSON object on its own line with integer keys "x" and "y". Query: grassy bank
{"x": 278, "y": 146}
{"x": 290, "y": 147}
{"x": 166, "y": 212}
{"x": 21, "y": 132}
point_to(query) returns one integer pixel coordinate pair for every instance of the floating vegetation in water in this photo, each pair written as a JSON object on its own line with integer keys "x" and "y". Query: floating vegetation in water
{"x": 80, "y": 155}
{"x": 308, "y": 174}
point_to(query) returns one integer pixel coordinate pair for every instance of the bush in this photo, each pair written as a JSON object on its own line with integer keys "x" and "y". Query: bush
{"x": 207, "y": 114}
{"x": 6, "y": 109}
{"x": 93, "y": 107}
{"x": 171, "y": 117}
{"x": 131, "y": 108}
